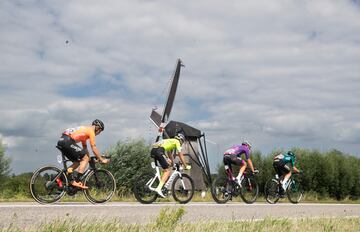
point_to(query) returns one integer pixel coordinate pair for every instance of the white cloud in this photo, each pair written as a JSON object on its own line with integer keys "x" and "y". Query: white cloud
{"x": 278, "y": 73}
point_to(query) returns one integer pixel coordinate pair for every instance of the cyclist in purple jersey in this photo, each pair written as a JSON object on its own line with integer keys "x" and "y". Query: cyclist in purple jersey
{"x": 233, "y": 156}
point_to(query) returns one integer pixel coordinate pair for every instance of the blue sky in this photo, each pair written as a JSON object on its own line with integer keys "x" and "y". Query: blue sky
{"x": 278, "y": 73}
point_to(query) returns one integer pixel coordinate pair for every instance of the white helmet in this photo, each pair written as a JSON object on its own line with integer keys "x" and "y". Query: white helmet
{"x": 180, "y": 137}
{"x": 247, "y": 143}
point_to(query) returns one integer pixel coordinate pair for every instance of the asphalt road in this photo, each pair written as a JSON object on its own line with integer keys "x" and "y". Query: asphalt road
{"x": 29, "y": 214}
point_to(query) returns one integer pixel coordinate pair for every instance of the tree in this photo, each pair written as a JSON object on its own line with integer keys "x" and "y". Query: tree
{"x": 128, "y": 160}
{"x": 4, "y": 163}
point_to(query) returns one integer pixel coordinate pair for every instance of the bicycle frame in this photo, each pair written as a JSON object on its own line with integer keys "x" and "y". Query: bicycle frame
{"x": 158, "y": 176}
{"x": 289, "y": 182}
{"x": 230, "y": 174}
{"x": 64, "y": 161}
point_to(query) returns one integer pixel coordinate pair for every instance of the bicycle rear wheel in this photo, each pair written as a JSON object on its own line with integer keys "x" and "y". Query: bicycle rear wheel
{"x": 220, "y": 190}
{"x": 47, "y": 184}
{"x": 272, "y": 191}
{"x": 142, "y": 191}
{"x": 182, "y": 189}
{"x": 101, "y": 185}
{"x": 249, "y": 190}
{"x": 294, "y": 192}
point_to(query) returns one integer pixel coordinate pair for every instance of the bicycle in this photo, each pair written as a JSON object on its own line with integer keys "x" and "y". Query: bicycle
{"x": 293, "y": 190}
{"x": 182, "y": 186}
{"x": 49, "y": 184}
{"x": 225, "y": 188}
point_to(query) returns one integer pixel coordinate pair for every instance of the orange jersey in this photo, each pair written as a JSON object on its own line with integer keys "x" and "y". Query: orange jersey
{"x": 81, "y": 134}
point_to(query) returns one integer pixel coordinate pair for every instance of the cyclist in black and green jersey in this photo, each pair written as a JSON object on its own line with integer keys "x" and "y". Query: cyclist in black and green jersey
{"x": 281, "y": 164}
{"x": 162, "y": 152}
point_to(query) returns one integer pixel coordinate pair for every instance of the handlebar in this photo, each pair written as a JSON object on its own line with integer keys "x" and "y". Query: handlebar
{"x": 95, "y": 159}
{"x": 249, "y": 172}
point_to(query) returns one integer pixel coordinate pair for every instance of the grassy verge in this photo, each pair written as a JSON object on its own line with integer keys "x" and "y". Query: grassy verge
{"x": 170, "y": 220}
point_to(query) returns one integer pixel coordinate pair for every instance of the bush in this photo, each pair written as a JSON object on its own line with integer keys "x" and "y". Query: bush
{"x": 129, "y": 159}
{"x": 4, "y": 164}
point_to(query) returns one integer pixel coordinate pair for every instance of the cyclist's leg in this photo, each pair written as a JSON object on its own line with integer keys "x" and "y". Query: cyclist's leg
{"x": 85, "y": 158}
{"x": 286, "y": 169}
{"x": 227, "y": 161}
{"x": 278, "y": 166}
{"x": 75, "y": 154}
{"x": 241, "y": 163}
{"x": 243, "y": 166}
{"x": 159, "y": 155}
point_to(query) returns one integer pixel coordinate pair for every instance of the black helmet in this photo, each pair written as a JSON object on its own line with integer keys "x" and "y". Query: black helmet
{"x": 290, "y": 153}
{"x": 180, "y": 137}
{"x": 99, "y": 123}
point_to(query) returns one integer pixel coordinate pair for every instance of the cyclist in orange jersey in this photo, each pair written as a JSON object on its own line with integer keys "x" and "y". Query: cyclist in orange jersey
{"x": 80, "y": 156}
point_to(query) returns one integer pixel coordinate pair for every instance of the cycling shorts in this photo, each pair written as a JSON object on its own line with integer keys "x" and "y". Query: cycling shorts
{"x": 233, "y": 159}
{"x": 158, "y": 153}
{"x": 70, "y": 149}
{"x": 281, "y": 168}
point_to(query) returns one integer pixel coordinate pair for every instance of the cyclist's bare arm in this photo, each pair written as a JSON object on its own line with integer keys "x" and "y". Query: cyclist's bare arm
{"x": 98, "y": 155}
{"x": 171, "y": 158}
{"x": 251, "y": 165}
{"x": 296, "y": 170}
{"x": 182, "y": 159}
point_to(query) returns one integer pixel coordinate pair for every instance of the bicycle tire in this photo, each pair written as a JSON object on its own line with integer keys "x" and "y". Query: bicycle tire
{"x": 220, "y": 190}
{"x": 272, "y": 191}
{"x": 295, "y": 192}
{"x": 43, "y": 188}
{"x": 102, "y": 186}
{"x": 181, "y": 194}
{"x": 249, "y": 190}
{"x": 142, "y": 192}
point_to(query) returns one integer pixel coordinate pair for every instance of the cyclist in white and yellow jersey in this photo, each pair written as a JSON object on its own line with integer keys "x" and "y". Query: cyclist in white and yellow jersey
{"x": 162, "y": 152}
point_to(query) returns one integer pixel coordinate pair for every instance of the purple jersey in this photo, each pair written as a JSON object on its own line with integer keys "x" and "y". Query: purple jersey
{"x": 238, "y": 150}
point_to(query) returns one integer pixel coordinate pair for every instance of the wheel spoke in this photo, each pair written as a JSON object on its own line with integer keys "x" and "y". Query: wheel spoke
{"x": 101, "y": 185}
{"x": 249, "y": 190}
{"x": 294, "y": 192}
{"x": 220, "y": 190}
{"x": 141, "y": 189}
{"x": 43, "y": 185}
{"x": 183, "y": 189}
{"x": 272, "y": 191}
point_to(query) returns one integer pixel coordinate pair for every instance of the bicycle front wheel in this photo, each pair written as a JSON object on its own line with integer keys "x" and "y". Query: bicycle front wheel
{"x": 182, "y": 188}
{"x": 221, "y": 190}
{"x": 294, "y": 192}
{"x": 101, "y": 185}
{"x": 272, "y": 191}
{"x": 142, "y": 191}
{"x": 47, "y": 184}
{"x": 249, "y": 190}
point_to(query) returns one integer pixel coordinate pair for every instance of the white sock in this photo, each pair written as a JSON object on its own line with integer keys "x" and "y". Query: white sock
{"x": 284, "y": 183}
{"x": 239, "y": 177}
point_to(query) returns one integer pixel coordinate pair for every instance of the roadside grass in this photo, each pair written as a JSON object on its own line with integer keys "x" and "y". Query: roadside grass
{"x": 171, "y": 220}
{"x": 309, "y": 197}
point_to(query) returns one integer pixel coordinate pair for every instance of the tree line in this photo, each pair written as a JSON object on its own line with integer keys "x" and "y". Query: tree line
{"x": 327, "y": 174}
